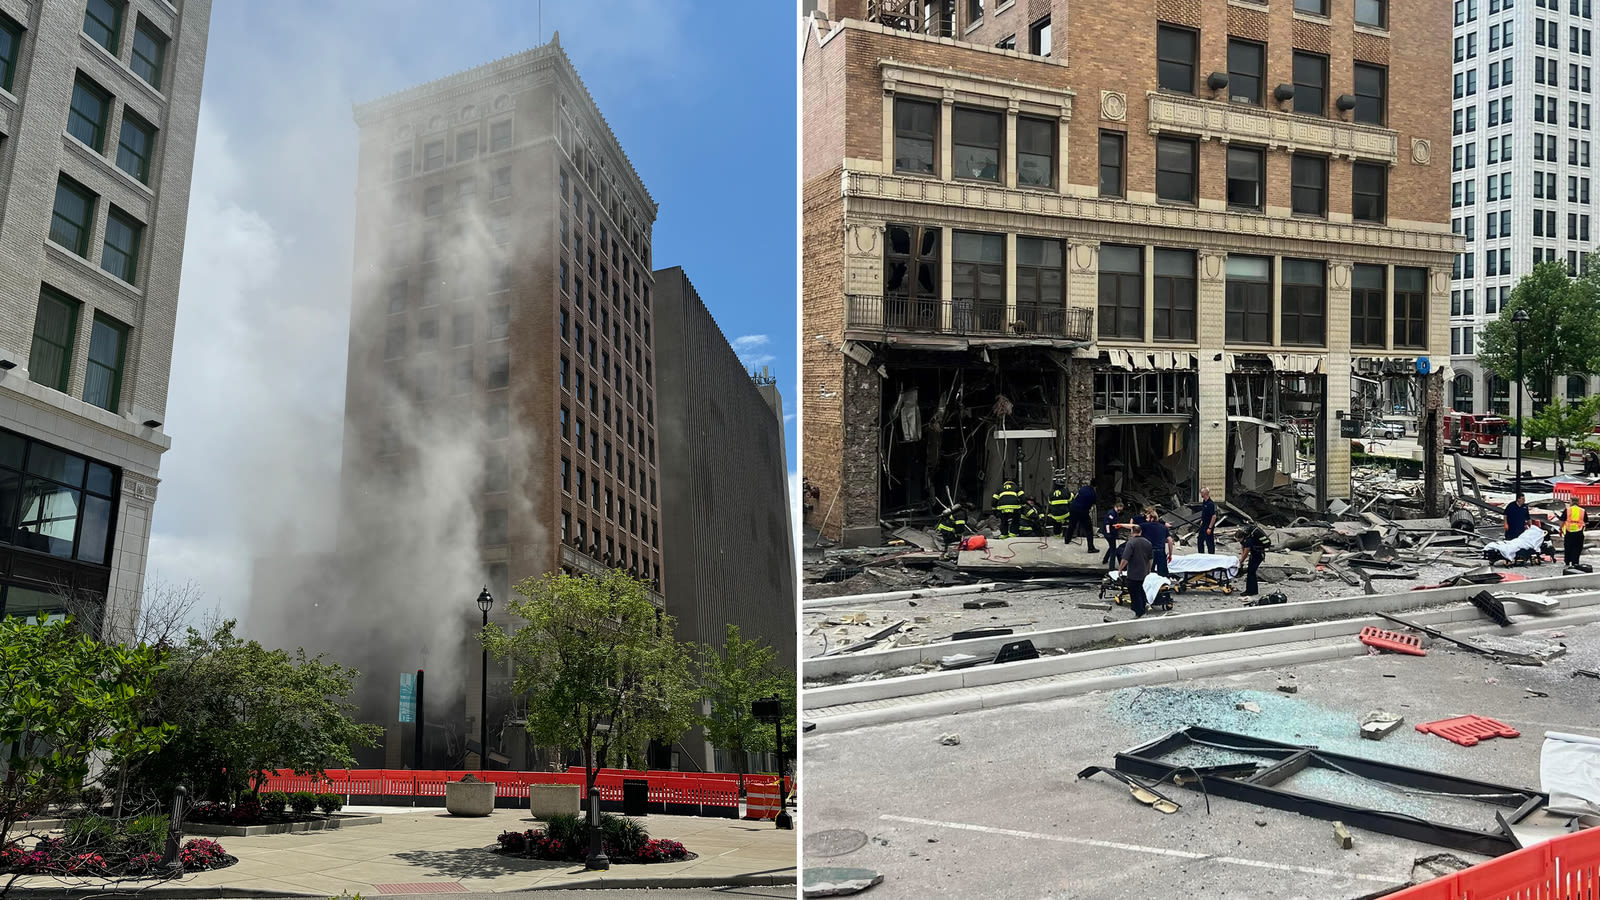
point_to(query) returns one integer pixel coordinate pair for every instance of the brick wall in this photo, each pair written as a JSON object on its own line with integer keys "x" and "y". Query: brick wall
{"x": 821, "y": 336}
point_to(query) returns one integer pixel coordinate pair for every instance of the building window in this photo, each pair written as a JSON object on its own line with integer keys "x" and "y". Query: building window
{"x": 1009, "y": 42}
{"x": 1175, "y": 291}
{"x": 102, "y": 383}
{"x": 1121, "y": 292}
{"x": 10, "y": 48}
{"x": 1112, "y": 183}
{"x": 500, "y": 136}
{"x": 1039, "y": 37}
{"x": 1411, "y": 307}
{"x": 1370, "y": 200}
{"x": 916, "y": 127}
{"x": 1041, "y": 283}
{"x": 978, "y": 277}
{"x": 976, "y": 143}
{"x": 1176, "y": 175}
{"x": 55, "y": 329}
{"x": 1309, "y": 185}
{"x": 461, "y": 329}
{"x": 1249, "y": 300}
{"x": 400, "y": 164}
{"x": 500, "y": 324}
{"x": 1310, "y": 83}
{"x": 91, "y": 107}
{"x": 1246, "y": 65}
{"x": 1372, "y": 88}
{"x": 394, "y": 341}
{"x": 494, "y": 527}
{"x": 499, "y": 373}
{"x": 120, "y": 255}
{"x": 428, "y": 333}
{"x": 53, "y": 502}
{"x": 1315, "y": 7}
{"x": 1372, "y": 12}
{"x": 433, "y": 201}
{"x": 500, "y": 184}
{"x": 102, "y": 21}
{"x": 432, "y": 155}
{"x": 974, "y": 11}
{"x": 1175, "y": 58}
{"x": 149, "y": 53}
{"x": 1368, "y": 307}
{"x": 1305, "y": 302}
{"x": 1036, "y": 151}
{"x": 136, "y": 146}
{"x": 1246, "y": 175}
{"x": 911, "y": 275}
{"x": 72, "y": 217}
{"x": 466, "y": 145}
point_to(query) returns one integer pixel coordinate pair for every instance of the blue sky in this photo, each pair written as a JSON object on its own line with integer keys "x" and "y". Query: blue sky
{"x": 701, "y": 96}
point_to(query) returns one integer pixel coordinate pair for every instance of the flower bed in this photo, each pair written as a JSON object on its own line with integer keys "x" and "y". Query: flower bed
{"x": 64, "y": 856}
{"x": 274, "y": 808}
{"x": 565, "y": 838}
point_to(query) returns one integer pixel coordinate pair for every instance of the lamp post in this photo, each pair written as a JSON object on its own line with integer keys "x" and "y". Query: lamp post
{"x": 485, "y": 603}
{"x": 1519, "y": 318}
{"x": 769, "y": 710}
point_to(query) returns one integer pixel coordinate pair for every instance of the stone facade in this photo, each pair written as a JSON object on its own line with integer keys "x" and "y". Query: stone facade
{"x": 125, "y": 428}
{"x": 855, "y": 70}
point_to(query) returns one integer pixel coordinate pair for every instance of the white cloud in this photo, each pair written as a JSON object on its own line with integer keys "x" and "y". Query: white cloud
{"x": 750, "y": 348}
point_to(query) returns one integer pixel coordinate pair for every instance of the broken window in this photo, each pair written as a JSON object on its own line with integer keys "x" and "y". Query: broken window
{"x": 1368, "y": 309}
{"x": 1121, "y": 292}
{"x": 1410, "y": 307}
{"x": 1305, "y": 302}
{"x": 978, "y": 281}
{"x": 1144, "y": 393}
{"x": 911, "y": 277}
{"x": 1175, "y": 291}
{"x": 1249, "y": 304}
{"x": 1041, "y": 284}
{"x": 976, "y": 141}
{"x": 916, "y": 125}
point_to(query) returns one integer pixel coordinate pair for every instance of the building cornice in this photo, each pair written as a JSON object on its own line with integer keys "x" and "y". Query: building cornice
{"x": 1222, "y": 121}
{"x": 858, "y": 25}
{"x": 958, "y": 86}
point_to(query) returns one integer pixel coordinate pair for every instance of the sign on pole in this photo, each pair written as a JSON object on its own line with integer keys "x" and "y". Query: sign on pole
{"x": 408, "y": 697}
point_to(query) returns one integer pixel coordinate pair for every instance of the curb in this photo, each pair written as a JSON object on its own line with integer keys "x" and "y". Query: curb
{"x": 982, "y": 587}
{"x": 198, "y": 892}
{"x": 686, "y": 882}
{"x": 175, "y": 892}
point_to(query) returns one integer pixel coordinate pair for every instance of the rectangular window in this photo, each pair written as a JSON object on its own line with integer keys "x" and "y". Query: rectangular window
{"x": 466, "y": 145}
{"x": 433, "y": 201}
{"x": 136, "y": 146}
{"x": 1112, "y": 145}
{"x": 1370, "y": 201}
{"x": 911, "y": 282}
{"x": 1173, "y": 315}
{"x": 1246, "y": 177}
{"x": 1315, "y": 7}
{"x": 432, "y": 155}
{"x": 1041, "y": 283}
{"x": 1036, "y": 151}
{"x": 55, "y": 330}
{"x": 1305, "y": 302}
{"x": 1249, "y": 300}
{"x": 1310, "y": 83}
{"x": 1176, "y": 169}
{"x": 149, "y": 54}
{"x": 1246, "y": 71}
{"x": 1410, "y": 307}
{"x": 1121, "y": 301}
{"x": 10, "y": 47}
{"x": 978, "y": 278}
{"x": 500, "y": 136}
{"x": 102, "y": 21}
{"x": 1175, "y": 58}
{"x": 73, "y": 216}
{"x": 400, "y": 164}
{"x": 102, "y": 384}
{"x": 1372, "y": 12}
{"x": 1039, "y": 37}
{"x": 1368, "y": 306}
{"x": 499, "y": 371}
{"x": 91, "y": 107}
{"x": 916, "y": 128}
{"x": 1309, "y": 185}
{"x": 1371, "y": 87}
{"x": 976, "y": 141}
{"x": 120, "y": 255}
{"x": 500, "y": 184}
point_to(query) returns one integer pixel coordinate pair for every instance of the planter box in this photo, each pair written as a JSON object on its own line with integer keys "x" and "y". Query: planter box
{"x": 546, "y": 800}
{"x": 467, "y": 798}
{"x": 327, "y": 824}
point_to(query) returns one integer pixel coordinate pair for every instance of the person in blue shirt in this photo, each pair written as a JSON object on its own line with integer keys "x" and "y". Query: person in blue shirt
{"x": 1082, "y": 514}
{"x": 1207, "y": 542}
{"x": 1160, "y": 537}
{"x": 1112, "y": 522}
{"x": 1517, "y": 517}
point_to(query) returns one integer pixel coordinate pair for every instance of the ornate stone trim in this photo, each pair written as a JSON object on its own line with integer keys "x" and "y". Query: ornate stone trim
{"x": 1113, "y": 106}
{"x": 1216, "y": 120}
{"x": 952, "y": 85}
{"x": 1421, "y": 151}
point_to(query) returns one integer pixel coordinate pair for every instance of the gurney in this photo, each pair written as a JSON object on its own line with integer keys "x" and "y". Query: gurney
{"x": 1530, "y": 546}
{"x": 1157, "y": 590}
{"x": 1204, "y": 571}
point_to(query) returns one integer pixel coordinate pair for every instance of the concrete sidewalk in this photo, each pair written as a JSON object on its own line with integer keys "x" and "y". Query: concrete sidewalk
{"x": 426, "y": 850}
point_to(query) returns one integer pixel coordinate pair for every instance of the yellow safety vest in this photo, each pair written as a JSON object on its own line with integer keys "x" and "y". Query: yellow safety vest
{"x": 1576, "y": 519}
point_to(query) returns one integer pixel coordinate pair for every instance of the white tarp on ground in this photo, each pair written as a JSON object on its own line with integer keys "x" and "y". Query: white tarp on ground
{"x": 1530, "y": 540}
{"x": 1198, "y": 564}
{"x": 1569, "y": 771}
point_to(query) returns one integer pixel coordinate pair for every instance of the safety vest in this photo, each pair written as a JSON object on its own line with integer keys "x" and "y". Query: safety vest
{"x": 1008, "y": 500}
{"x": 950, "y": 524}
{"x": 1059, "y": 503}
{"x": 1576, "y": 519}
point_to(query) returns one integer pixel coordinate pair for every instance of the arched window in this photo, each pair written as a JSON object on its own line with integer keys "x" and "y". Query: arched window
{"x": 1499, "y": 395}
{"x": 1577, "y": 388}
{"x": 1461, "y": 393}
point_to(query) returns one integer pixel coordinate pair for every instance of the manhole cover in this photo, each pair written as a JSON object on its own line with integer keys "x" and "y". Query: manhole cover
{"x": 837, "y": 842}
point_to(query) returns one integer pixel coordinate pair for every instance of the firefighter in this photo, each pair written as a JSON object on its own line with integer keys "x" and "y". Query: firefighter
{"x": 953, "y": 525}
{"x": 1572, "y": 533}
{"x": 1007, "y": 502}
{"x": 1060, "y": 506}
{"x": 1034, "y": 523}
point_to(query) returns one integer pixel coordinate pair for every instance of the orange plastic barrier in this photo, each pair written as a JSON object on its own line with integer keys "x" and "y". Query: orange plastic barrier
{"x": 1565, "y": 868}
{"x": 761, "y": 801}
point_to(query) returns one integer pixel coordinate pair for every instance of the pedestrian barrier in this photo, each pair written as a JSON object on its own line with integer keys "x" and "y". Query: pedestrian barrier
{"x": 1564, "y": 868}
{"x": 1576, "y": 492}
{"x": 761, "y": 801}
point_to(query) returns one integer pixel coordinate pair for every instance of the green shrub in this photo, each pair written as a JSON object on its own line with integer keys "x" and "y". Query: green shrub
{"x": 93, "y": 831}
{"x": 627, "y": 835}
{"x": 275, "y": 802}
{"x": 146, "y": 834}
{"x": 567, "y": 828}
{"x": 303, "y": 802}
{"x": 330, "y": 803}
{"x": 93, "y": 798}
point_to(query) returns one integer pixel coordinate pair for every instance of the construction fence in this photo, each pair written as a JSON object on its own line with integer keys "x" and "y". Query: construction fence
{"x": 1565, "y": 868}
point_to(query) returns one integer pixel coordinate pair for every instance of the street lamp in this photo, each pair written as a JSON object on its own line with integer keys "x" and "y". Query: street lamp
{"x": 1519, "y": 318}
{"x": 485, "y": 603}
{"x": 769, "y": 710}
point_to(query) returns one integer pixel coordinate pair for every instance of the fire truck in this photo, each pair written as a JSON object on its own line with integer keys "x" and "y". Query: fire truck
{"x": 1478, "y": 435}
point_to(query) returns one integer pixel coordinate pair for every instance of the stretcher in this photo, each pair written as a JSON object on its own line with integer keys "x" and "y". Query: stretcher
{"x": 1157, "y": 590}
{"x": 1533, "y": 545}
{"x": 1204, "y": 572}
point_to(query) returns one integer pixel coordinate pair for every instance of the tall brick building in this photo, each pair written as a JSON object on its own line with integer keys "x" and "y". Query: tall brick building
{"x": 99, "y": 101}
{"x": 1156, "y": 245}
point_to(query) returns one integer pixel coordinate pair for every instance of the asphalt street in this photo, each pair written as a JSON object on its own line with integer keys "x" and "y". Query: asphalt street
{"x": 1000, "y": 814}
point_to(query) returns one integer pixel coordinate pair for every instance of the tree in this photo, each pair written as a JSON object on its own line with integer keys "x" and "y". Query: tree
{"x": 67, "y": 701}
{"x": 598, "y": 665}
{"x": 1561, "y": 337}
{"x": 241, "y": 710}
{"x": 734, "y": 677}
{"x": 1569, "y": 422}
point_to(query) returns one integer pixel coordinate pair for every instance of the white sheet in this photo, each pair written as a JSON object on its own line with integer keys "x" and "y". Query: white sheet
{"x": 1569, "y": 771}
{"x": 1197, "y": 563}
{"x": 1532, "y": 540}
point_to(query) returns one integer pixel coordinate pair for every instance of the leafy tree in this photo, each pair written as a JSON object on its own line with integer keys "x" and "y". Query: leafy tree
{"x": 733, "y": 678}
{"x": 1562, "y": 335}
{"x": 66, "y": 700}
{"x": 241, "y": 710}
{"x": 598, "y": 665}
{"x": 1568, "y": 422}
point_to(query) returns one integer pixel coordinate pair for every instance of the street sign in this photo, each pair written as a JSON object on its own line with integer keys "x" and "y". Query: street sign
{"x": 1349, "y": 428}
{"x": 1424, "y": 365}
{"x": 408, "y": 697}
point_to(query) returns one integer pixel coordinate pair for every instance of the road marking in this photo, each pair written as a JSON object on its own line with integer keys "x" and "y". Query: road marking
{"x": 1137, "y": 848}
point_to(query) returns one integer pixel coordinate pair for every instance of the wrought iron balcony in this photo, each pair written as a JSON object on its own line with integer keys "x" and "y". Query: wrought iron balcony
{"x": 935, "y": 18}
{"x": 967, "y": 317}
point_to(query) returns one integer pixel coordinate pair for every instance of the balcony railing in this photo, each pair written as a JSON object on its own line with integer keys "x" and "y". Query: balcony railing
{"x": 935, "y": 19}
{"x": 968, "y": 317}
